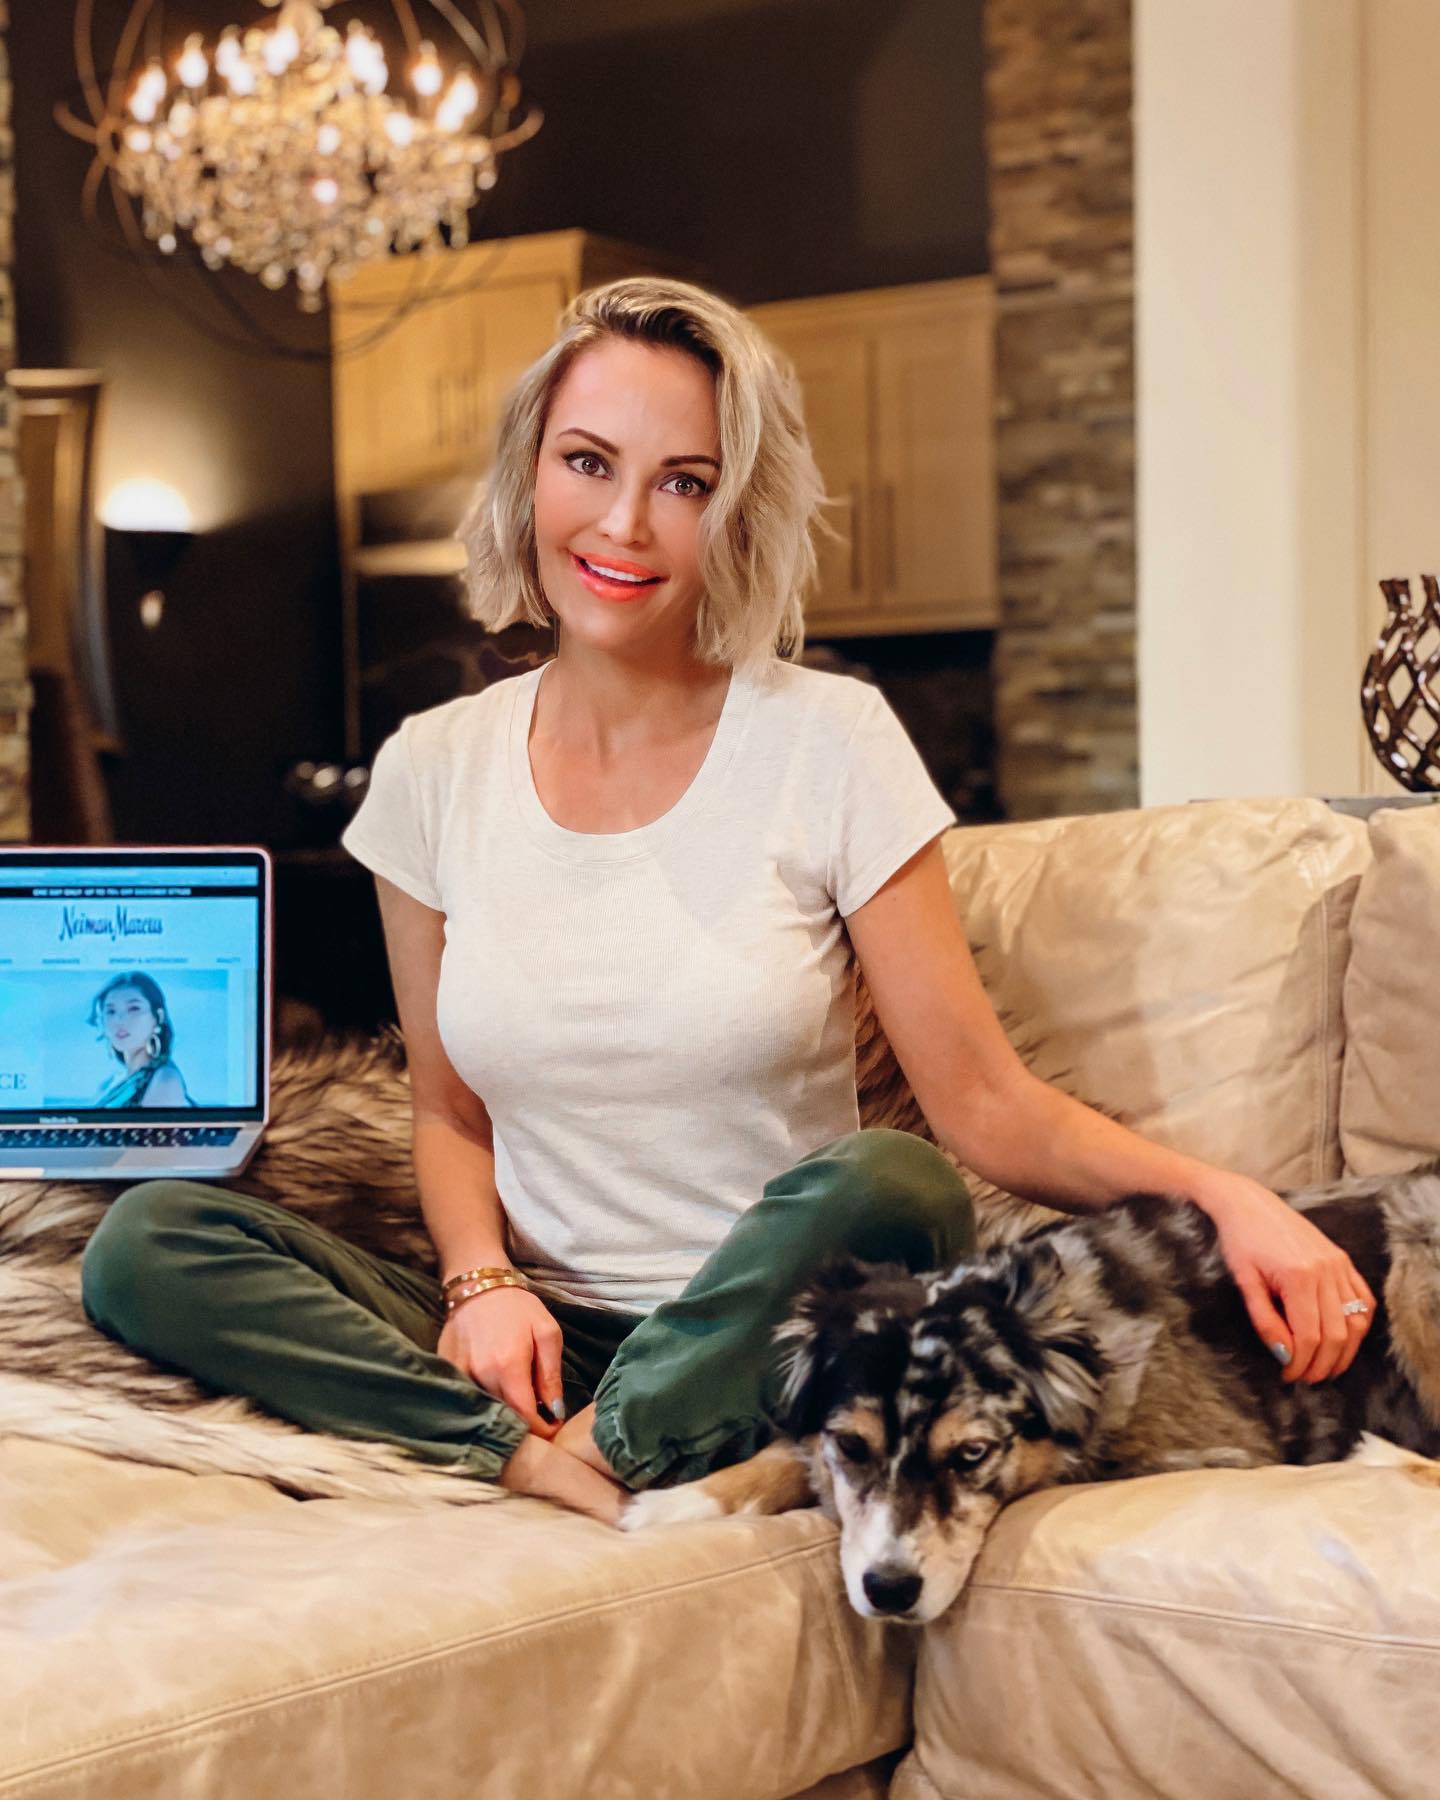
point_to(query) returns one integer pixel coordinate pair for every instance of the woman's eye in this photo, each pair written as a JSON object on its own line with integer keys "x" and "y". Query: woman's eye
{"x": 697, "y": 489}
{"x": 853, "y": 1448}
{"x": 577, "y": 457}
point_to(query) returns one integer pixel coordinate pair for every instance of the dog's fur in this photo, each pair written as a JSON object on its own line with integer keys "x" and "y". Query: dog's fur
{"x": 914, "y": 1406}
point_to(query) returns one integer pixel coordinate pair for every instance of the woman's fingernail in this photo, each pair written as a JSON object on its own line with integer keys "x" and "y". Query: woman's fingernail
{"x": 557, "y": 1408}
{"x": 1281, "y": 1355}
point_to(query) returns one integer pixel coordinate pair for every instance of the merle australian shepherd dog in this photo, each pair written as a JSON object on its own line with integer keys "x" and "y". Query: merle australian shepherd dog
{"x": 914, "y": 1406}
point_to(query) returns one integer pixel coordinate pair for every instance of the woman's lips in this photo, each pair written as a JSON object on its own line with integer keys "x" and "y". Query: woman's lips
{"x": 613, "y": 590}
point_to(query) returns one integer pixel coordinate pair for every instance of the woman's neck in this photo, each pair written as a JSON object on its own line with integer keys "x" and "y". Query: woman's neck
{"x": 594, "y": 705}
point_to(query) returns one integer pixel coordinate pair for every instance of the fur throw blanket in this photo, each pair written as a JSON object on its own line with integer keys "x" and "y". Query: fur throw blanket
{"x": 337, "y": 1151}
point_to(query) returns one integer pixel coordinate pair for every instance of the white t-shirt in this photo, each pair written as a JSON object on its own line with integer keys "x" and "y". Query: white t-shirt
{"x": 661, "y": 1020}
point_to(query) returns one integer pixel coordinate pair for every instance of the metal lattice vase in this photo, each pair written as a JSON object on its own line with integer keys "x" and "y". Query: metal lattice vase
{"x": 1400, "y": 694}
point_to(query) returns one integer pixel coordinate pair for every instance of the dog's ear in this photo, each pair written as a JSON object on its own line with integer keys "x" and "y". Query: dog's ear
{"x": 812, "y": 1340}
{"x": 1065, "y": 1366}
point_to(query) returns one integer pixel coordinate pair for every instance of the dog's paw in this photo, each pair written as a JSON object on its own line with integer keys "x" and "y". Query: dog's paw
{"x": 670, "y": 1506}
{"x": 1373, "y": 1452}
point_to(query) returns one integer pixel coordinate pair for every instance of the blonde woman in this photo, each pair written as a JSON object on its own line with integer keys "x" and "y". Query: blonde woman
{"x": 620, "y": 896}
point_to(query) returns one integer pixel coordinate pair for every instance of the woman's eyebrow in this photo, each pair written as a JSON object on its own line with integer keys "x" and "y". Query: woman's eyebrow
{"x": 667, "y": 462}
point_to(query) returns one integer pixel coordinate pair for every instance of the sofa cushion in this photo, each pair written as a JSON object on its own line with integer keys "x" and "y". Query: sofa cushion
{"x": 1180, "y": 967}
{"x": 1390, "y": 1094}
{"x": 1229, "y": 1633}
{"x": 166, "y": 1633}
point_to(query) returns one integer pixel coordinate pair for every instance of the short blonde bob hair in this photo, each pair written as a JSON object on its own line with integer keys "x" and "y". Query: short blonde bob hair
{"x": 757, "y": 557}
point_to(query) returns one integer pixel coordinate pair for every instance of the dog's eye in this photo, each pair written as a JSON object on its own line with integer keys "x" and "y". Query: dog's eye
{"x": 970, "y": 1452}
{"x": 851, "y": 1446}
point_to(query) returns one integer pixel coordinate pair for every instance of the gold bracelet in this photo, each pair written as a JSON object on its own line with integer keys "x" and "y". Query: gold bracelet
{"x": 479, "y": 1275}
{"x": 458, "y": 1299}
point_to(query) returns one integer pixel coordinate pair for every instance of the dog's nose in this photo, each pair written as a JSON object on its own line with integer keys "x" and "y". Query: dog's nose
{"x": 891, "y": 1590}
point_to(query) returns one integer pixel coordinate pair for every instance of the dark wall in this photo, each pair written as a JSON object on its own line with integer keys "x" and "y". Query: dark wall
{"x": 787, "y": 146}
{"x": 790, "y": 147}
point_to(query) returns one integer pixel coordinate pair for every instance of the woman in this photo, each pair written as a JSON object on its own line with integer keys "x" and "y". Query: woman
{"x": 133, "y": 1019}
{"x": 619, "y": 895}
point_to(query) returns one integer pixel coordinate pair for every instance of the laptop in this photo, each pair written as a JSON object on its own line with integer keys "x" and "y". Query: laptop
{"x": 134, "y": 1011}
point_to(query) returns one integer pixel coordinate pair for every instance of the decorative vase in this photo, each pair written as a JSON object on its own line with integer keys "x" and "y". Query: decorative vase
{"x": 1400, "y": 693}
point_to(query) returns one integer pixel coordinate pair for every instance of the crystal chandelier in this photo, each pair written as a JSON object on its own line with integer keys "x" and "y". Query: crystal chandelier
{"x": 283, "y": 151}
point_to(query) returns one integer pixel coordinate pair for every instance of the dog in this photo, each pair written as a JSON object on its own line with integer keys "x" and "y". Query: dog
{"x": 913, "y": 1407}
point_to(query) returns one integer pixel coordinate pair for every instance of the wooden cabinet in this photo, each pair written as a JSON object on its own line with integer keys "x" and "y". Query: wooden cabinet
{"x": 417, "y": 408}
{"x": 898, "y": 386}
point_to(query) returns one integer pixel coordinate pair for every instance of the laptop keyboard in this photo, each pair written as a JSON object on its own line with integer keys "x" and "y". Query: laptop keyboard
{"x": 113, "y": 1137}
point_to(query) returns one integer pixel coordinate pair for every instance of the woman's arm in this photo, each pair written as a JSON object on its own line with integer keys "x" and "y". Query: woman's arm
{"x": 454, "y": 1155}
{"x": 1030, "y": 1139}
{"x": 454, "y": 1142}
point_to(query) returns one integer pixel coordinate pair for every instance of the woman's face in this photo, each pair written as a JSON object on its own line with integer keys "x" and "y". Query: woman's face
{"x": 127, "y": 1019}
{"x": 627, "y": 463}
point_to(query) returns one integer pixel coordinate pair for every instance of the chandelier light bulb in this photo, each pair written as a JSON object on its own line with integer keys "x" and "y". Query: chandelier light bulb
{"x": 427, "y": 77}
{"x": 328, "y": 139}
{"x": 361, "y": 51}
{"x": 193, "y": 68}
{"x": 326, "y": 190}
{"x": 228, "y": 54}
{"x": 464, "y": 95}
{"x": 378, "y": 74}
{"x": 149, "y": 92}
{"x": 137, "y": 138}
{"x": 281, "y": 48}
{"x": 399, "y": 127}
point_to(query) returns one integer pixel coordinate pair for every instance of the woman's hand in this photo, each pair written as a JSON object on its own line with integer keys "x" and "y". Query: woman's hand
{"x": 508, "y": 1344}
{"x": 1277, "y": 1256}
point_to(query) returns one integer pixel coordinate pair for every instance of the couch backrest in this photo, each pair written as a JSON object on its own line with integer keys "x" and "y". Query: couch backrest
{"x": 1179, "y": 967}
{"x": 1390, "y": 1094}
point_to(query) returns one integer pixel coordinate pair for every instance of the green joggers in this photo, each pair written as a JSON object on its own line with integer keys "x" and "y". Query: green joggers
{"x": 252, "y": 1299}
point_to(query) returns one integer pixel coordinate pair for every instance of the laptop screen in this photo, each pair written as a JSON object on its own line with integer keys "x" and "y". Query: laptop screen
{"x": 133, "y": 986}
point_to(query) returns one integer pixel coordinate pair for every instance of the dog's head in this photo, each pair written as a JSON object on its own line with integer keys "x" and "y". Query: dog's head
{"x": 927, "y": 1402}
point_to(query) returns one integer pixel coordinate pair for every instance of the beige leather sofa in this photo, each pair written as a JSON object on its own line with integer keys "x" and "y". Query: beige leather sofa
{"x": 1253, "y": 982}
{"x": 1249, "y": 980}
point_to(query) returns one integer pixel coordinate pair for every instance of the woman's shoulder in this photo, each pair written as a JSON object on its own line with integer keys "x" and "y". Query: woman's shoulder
{"x": 439, "y": 735}
{"x": 820, "y": 703}
{"x": 166, "y": 1086}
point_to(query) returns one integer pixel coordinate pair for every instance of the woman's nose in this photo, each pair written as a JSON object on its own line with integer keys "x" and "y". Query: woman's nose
{"x": 627, "y": 519}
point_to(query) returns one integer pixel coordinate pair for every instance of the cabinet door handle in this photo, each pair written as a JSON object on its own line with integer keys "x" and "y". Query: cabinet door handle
{"x": 857, "y": 563}
{"x": 887, "y": 500}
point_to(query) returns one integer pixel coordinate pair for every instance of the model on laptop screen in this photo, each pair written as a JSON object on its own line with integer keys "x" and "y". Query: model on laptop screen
{"x": 133, "y": 987}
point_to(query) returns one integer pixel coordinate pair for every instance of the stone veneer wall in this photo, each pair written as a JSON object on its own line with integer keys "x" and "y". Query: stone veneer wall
{"x": 14, "y": 684}
{"x": 1058, "y": 143}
